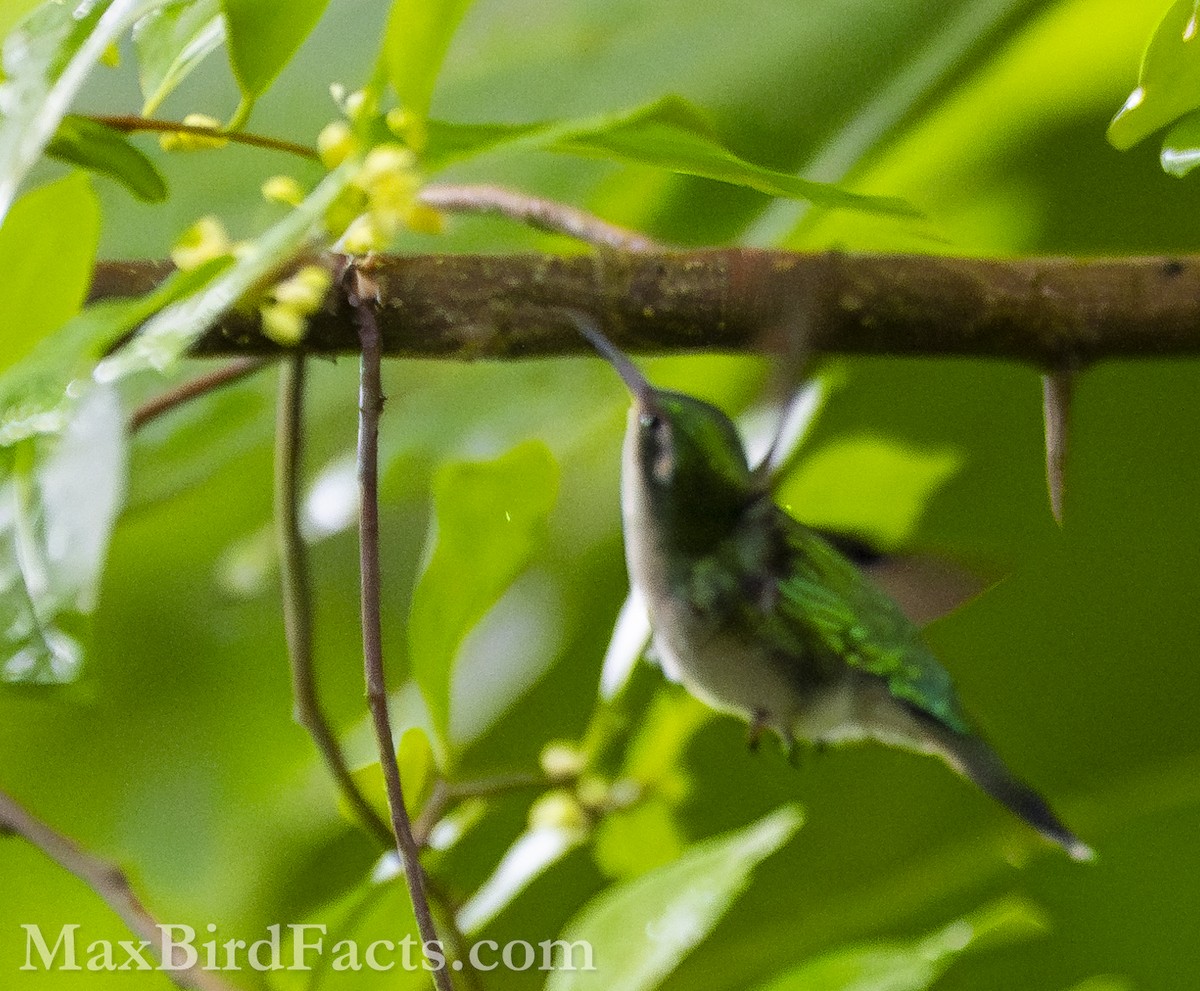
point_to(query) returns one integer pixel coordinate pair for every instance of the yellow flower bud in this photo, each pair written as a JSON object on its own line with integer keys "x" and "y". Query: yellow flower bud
{"x": 283, "y": 189}
{"x": 283, "y": 324}
{"x": 559, "y": 810}
{"x": 305, "y": 291}
{"x": 561, "y": 759}
{"x": 203, "y": 241}
{"x": 363, "y": 236}
{"x": 180, "y": 141}
{"x": 336, "y": 143}
{"x": 424, "y": 219}
{"x": 408, "y": 127}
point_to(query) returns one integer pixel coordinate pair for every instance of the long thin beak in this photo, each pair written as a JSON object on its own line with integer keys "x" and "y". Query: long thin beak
{"x": 643, "y": 391}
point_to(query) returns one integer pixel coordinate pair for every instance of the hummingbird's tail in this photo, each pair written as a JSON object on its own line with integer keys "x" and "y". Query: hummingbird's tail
{"x": 972, "y": 757}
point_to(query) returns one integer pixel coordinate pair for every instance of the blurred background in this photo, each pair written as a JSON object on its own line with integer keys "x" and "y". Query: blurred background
{"x": 176, "y": 752}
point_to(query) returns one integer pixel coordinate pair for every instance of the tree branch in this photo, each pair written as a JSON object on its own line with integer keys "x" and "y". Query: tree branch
{"x": 362, "y": 296}
{"x": 1051, "y": 312}
{"x": 298, "y": 596}
{"x": 106, "y": 880}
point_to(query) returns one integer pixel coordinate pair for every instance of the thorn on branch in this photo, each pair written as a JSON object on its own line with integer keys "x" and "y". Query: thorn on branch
{"x": 1058, "y": 389}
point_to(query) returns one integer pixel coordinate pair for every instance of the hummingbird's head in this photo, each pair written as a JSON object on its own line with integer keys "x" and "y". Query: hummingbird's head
{"x": 686, "y": 455}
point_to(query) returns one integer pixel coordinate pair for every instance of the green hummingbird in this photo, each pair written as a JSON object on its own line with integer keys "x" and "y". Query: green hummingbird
{"x": 760, "y": 616}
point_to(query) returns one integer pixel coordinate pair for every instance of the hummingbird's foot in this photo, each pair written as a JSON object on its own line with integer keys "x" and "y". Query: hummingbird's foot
{"x": 791, "y": 749}
{"x": 758, "y": 723}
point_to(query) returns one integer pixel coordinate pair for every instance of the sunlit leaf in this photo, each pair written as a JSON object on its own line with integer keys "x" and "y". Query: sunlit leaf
{"x": 165, "y": 338}
{"x": 490, "y": 519}
{"x": 56, "y": 518}
{"x": 46, "y": 60}
{"x": 872, "y": 486}
{"x": 47, "y": 243}
{"x": 640, "y": 930}
{"x": 98, "y": 148}
{"x": 415, "y": 45}
{"x": 915, "y": 965}
{"x": 262, "y": 39}
{"x": 171, "y": 42}
{"x": 1181, "y": 147}
{"x": 1169, "y": 81}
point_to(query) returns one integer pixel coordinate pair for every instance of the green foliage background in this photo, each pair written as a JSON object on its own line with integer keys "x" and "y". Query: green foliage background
{"x": 176, "y": 754}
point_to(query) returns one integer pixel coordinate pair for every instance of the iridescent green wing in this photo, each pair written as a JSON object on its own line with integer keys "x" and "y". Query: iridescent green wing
{"x": 825, "y": 600}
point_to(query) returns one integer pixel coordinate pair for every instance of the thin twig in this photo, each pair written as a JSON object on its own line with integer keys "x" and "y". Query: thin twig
{"x": 131, "y": 124}
{"x": 296, "y": 583}
{"x": 546, "y": 215}
{"x": 110, "y": 883}
{"x": 202, "y": 385}
{"x": 446, "y": 793}
{"x": 362, "y": 297}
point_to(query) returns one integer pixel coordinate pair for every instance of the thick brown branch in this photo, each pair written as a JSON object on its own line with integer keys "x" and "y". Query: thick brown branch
{"x": 1051, "y": 312}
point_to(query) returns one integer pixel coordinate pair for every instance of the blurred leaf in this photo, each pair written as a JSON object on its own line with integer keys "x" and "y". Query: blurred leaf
{"x": 490, "y": 519}
{"x": 166, "y": 337}
{"x": 47, "y": 242}
{"x": 171, "y": 42}
{"x": 47, "y": 59}
{"x": 262, "y": 39}
{"x": 1169, "y": 81}
{"x": 418, "y": 775}
{"x": 98, "y": 148}
{"x": 415, "y": 45}
{"x": 916, "y": 965}
{"x": 640, "y": 930}
{"x": 870, "y": 486}
{"x": 670, "y": 133}
{"x": 655, "y": 754}
{"x": 1105, "y": 982}
{"x": 632, "y": 841}
{"x": 56, "y": 518}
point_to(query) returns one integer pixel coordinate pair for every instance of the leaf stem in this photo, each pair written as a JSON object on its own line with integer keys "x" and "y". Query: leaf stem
{"x": 109, "y": 882}
{"x": 132, "y": 124}
{"x": 296, "y": 583}
{"x": 363, "y": 297}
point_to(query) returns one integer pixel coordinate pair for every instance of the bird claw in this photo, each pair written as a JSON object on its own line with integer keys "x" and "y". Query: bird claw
{"x": 758, "y": 723}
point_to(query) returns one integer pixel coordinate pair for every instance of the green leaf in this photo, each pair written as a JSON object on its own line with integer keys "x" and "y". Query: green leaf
{"x": 98, "y": 148}
{"x": 56, "y": 517}
{"x": 263, "y": 37}
{"x": 47, "y": 59}
{"x": 167, "y": 336}
{"x": 47, "y": 243}
{"x": 669, "y": 133}
{"x": 415, "y": 45}
{"x": 418, "y": 774}
{"x": 640, "y": 930}
{"x": 872, "y": 486}
{"x": 171, "y": 42}
{"x": 1169, "y": 81}
{"x": 632, "y": 841}
{"x": 1181, "y": 147}
{"x": 490, "y": 519}
{"x": 914, "y": 965}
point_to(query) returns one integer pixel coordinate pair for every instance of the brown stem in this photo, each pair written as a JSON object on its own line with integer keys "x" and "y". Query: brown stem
{"x": 202, "y": 385}
{"x": 446, "y": 793}
{"x": 296, "y": 584}
{"x": 132, "y": 124}
{"x": 109, "y": 882}
{"x": 546, "y": 215}
{"x": 1052, "y": 313}
{"x": 362, "y": 297}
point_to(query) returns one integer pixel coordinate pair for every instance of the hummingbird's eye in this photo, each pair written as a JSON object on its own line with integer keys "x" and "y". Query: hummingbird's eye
{"x": 650, "y": 422}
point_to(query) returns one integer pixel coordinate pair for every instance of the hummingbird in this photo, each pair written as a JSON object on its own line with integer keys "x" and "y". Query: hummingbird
{"x": 760, "y": 616}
